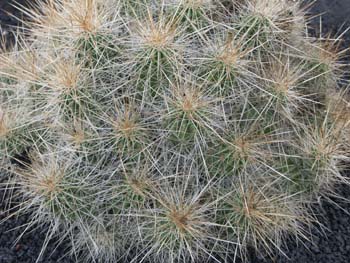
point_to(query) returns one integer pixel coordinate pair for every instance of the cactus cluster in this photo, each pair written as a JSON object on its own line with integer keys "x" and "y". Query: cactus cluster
{"x": 171, "y": 130}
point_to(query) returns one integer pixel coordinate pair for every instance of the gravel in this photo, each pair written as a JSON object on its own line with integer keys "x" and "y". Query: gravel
{"x": 7, "y": 21}
{"x": 27, "y": 249}
{"x": 330, "y": 243}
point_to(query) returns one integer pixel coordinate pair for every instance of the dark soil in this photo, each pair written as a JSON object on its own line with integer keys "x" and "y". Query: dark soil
{"x": 330, "y": 243}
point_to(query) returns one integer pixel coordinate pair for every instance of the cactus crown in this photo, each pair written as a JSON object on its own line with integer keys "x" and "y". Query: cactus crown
{"x": 172, "y": 131}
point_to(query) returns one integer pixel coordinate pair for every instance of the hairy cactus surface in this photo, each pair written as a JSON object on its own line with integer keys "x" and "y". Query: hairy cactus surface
{"x": 171, "y": 130}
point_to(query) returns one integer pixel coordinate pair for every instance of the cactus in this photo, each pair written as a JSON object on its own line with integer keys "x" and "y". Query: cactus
{"x": 172, "y": 131}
